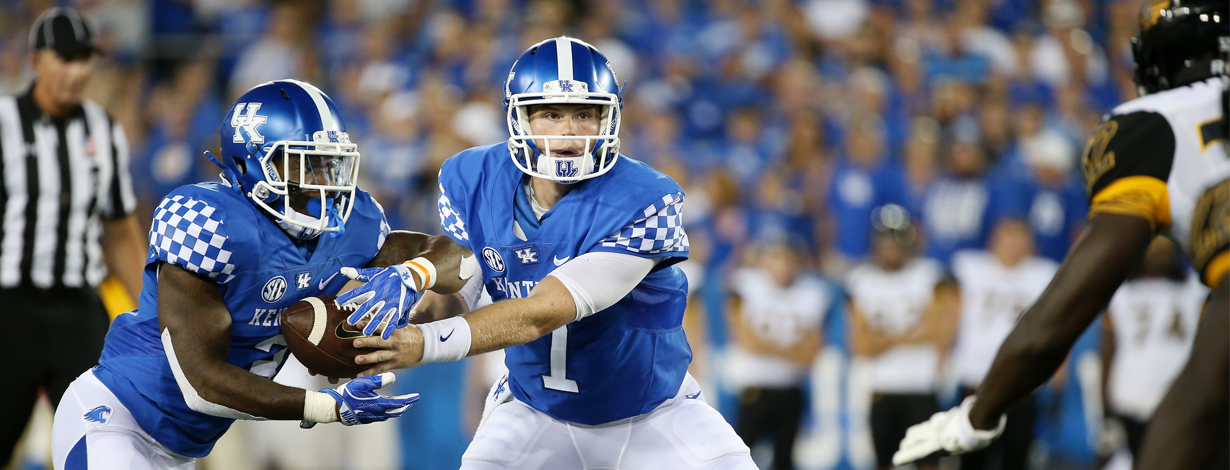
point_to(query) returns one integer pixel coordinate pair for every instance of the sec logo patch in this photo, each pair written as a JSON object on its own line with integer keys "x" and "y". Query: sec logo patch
{"x": 493, "y": 259}
{"x": 273, "y": 290}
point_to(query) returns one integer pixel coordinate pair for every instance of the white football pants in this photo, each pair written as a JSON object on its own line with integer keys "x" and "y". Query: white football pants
{"x": 683, "y": 433}
{"x": 92, "y": 426}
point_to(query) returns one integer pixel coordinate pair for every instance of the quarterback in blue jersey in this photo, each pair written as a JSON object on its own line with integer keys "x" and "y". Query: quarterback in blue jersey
{"x": 225, "y": 260}
{"x": 577, "y": 245}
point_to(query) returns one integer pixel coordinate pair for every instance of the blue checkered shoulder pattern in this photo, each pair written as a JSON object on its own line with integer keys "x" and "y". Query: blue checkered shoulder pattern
{"x": 660, "y": 230}
{"x": 188, "y": 233}
{"x": 450, "y": 220}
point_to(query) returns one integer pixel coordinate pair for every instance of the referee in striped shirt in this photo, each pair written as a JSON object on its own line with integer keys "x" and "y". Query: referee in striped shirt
{"x": 66, "y": 221}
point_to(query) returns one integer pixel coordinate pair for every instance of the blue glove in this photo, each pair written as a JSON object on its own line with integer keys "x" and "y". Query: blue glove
{"x": 391, "y": 287}
{"x": 358, "y": 403}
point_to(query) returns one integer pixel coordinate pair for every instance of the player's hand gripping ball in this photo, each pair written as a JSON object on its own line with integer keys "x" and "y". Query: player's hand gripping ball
{"x": 317, "y": 334}
{"x": 384, "y": 299}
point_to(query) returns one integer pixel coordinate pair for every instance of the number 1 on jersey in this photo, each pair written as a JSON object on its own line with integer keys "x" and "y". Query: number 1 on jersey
{"x": 559, "y": 363}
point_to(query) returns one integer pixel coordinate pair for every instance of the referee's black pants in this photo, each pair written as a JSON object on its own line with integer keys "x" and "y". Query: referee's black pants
{"x": 773, "y": 413}
{"x": 55, "y": 335}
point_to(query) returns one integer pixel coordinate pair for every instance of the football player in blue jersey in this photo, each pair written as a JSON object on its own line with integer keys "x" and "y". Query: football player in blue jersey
{"x": 578, "y": 245}
{"x": 225, "y": 260}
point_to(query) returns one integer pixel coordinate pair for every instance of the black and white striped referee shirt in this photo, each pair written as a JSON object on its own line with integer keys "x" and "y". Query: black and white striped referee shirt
{"x": 58, "y": 179}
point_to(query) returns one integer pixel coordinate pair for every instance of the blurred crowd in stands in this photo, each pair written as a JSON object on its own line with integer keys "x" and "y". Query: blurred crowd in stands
{"x": 782, "y": 119}
{"x": 789, "y": 123}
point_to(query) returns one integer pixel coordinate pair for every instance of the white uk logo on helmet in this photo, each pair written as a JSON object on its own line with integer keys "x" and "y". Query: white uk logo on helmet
{"x": 248, "y": 122}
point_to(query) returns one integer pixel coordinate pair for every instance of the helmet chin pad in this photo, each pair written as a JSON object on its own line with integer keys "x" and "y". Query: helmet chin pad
{"x": 569, "y": 169}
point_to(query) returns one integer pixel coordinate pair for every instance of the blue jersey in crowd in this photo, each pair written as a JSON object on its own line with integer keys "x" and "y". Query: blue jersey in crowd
{"x": 958, "y": 213}
{"x": 618, "y": 363}
{"x": 212, "y": 230}
{"x": 854, "y": 193}
{"x": 1055, "y": 214}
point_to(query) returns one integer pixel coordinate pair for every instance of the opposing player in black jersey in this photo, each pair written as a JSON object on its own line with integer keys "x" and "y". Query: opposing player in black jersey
{"x": 1156, "y": 165}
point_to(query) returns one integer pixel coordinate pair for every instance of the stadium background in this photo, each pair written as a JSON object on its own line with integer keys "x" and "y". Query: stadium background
{"x": 783, "y": 120}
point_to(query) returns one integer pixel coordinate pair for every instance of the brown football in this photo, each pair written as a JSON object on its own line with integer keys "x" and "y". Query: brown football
{"x": 317, "y": 334}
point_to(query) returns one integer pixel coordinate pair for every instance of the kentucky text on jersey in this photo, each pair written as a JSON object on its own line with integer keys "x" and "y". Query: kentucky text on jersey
{"x": 211, "y": 230}
{"x": 620, "y": 362}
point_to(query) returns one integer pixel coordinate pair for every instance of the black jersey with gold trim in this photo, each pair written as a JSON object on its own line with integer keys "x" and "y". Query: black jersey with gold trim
{"x": 1161, "y": 157}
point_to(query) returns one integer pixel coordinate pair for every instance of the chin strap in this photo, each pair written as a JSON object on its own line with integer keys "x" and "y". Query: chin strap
{"x": 227, "y": 175}
{"x": 335, "y": 219}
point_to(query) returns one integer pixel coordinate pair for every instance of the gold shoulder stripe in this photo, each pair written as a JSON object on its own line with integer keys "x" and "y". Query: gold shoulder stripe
{"x": 1143, "y": 196}
{"x": 1150, "y": 12}
{"x": 1217, "y": 269}
{"x": 1210, "y": 233}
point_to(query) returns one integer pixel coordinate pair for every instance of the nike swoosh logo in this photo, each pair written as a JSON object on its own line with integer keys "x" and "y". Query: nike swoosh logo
{"x": 692, "y": 397}
{"x": 560, "y": 261}
{"x": 343, "y": 332}
{"x": 326, "y": 281}
{"x": 444, "y": 338}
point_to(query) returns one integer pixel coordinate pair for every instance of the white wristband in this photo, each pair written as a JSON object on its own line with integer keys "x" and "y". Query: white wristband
{"x": 445, "y": 340}
{"x": 467, "y": 268}
{"x": 426, "y": 271}
{"x": 319, "y": 408}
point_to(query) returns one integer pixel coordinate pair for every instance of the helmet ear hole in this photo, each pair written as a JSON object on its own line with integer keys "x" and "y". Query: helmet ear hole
{"x": 239, "y": 164}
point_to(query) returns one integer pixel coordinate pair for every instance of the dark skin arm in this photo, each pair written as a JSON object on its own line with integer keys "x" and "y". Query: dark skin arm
{"x": 1037, "y": 346}
{"x": 192, "y": 309}
{"x": 434, "y": 307}
{"x": 442, "y": 251}
{"x": 1191, "y": 421}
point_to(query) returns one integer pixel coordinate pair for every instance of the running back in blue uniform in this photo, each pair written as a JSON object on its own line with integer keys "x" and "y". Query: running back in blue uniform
{"x": 225, "y": 261}
{"x": 632, "y": 356}
{"x": 210, "y": 230}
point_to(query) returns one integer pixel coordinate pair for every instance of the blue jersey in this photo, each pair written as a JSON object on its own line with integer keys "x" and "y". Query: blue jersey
{"x": 211, "y": 230}
{"x": 1055, "y": 214}
{"x": 618, "y": 363}
{"x": 854, "y": 192}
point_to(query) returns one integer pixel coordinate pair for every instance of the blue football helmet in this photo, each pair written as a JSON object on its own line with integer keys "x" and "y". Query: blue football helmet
{"x": 285, "y": 140}
{"x": 563, "y": 70}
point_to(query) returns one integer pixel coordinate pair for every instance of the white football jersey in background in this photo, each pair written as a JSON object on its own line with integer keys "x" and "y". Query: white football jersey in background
{"x": 1154, "y": 322}
{"x": 778, "y": 314}
{"x": 993, "y": 296}
{"x": 894, "y": 302}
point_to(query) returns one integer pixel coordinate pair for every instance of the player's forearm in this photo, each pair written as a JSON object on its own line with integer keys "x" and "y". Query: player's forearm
{"x": 124, "y": 253}
{"x": 443, "y": 253}
{"x": 433, "y": 307}
{"x": 940, "y": 320}
{"x": 196, "y": 338}
{"x": 804, "y": 351}
{"x": 500, "y": 325}
{"x": 867, "y": 341}
{"x": 226, "y": 385}
{"x": 1046, "y": 332}
{"x": 515, "y": 322}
